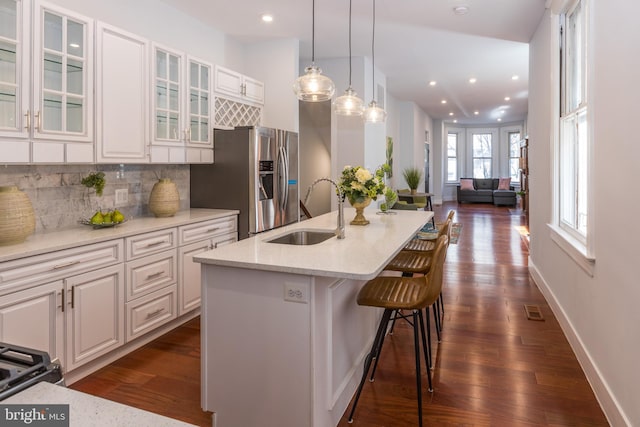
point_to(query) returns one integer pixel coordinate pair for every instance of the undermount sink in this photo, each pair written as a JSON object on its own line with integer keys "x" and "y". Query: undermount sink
{"x": 303, "y": 237}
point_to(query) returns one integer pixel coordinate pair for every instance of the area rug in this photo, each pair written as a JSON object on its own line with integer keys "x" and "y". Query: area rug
{"x": 430, "y": 233}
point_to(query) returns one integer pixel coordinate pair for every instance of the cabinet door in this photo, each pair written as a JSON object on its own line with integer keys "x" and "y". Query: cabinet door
{"x": 167, "y": 96}
{"x": 228, "y": 82}
{"x": 199, "y": 104}
{"x": 122, "y": 96}
{"x": 33, "y": 318}
{"x": 190, "y": 277}
{"x": 253, "y": 90}
{"x": 62, "y": 75}
{"x": 14, "y": 80}
{"x": 94, "y": 314}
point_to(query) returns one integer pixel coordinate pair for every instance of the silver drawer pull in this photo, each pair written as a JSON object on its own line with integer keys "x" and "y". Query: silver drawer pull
{"x": 150, "y": 245}
{"x": 65, "y": 265}
{"x": 154, "y": 313}
{"x": 154, "y": 275}
{"x": 211, "y": 230}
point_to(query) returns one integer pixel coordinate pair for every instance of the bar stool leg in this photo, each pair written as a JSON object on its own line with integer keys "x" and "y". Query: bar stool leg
{"x": 367, "y": 362}
{"x": 416, "y": 344}
{"x": 426, "y": 347}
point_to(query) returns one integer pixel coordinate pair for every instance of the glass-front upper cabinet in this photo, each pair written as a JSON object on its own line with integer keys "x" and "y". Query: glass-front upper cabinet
{"x": 63, "y": 75}
{"x": 167, "y": 99}
{"x": 14, "y": 70}
{"x": 199, "y": 105}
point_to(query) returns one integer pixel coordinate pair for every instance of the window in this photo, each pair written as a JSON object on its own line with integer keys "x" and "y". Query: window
{"x": 573, "y": 162}
{"x": 514, "y": 155}
{"x": 482, "y": 155}
{"x": 452, "y": 157}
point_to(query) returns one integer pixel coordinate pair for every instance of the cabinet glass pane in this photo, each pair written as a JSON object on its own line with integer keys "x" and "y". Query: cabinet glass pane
{"x": 8, "y": 110}
{"x": 52, "y": 72}
{"x": 193, "y": 102}
{"x": 204, "y": 131}
{"x": 161, "y": 64}
{"x": 204, "y": 78}
{"x": 52, "y": 112}
{"x": 75, "y": 38}
{"x": 74, "y": 114}
{"x": 161, "y": 95}
{"x": 8, "y": 19}
{"x": 52, "y": 32}
{"x": 174, "y": 132}
{"x": 174, "y": 68}
{"x": 161, "y": 125}
{"x": 194, "y": 74}
{"x": 74, "y": 77}
{"x": 204, "y": 104}
{"x": 7, "y": 62}
{"x": 195, "y": 129}
{"x": 173, "y": 97}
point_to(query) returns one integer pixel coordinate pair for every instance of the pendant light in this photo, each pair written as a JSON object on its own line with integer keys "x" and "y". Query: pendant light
{"x": 373, "y": 113}
{"x": 313, "y": 86}
{"x": 349, "y": 104}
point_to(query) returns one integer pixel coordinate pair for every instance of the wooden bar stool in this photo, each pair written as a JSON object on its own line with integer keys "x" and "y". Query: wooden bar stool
{"x": 403, "y": 293}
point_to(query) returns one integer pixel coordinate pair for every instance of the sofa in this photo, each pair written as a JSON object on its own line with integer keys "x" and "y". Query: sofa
{"x": 486, "y": 190}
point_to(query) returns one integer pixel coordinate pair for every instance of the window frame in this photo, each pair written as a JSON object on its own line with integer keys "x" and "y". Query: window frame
{"x": 457, "y": 156}
{"x": 493, "y": 134}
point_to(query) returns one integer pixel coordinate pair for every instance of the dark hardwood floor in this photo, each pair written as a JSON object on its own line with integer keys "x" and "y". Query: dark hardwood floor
{"x": 494, "y": 367}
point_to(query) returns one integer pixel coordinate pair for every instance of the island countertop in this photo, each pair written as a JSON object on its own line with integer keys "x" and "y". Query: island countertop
{"x": 361, "y": 255}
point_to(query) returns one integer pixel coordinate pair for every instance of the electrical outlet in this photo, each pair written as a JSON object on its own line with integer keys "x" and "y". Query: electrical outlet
{"x": 122, "y": 197}
{"x": 295, "y": 293}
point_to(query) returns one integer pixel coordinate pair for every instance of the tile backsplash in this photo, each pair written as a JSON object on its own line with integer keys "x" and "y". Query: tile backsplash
{"x": 60, "y": 200}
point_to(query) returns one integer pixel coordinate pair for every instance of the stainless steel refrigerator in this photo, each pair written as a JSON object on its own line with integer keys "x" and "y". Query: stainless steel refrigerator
{"x": 255, "y": 170}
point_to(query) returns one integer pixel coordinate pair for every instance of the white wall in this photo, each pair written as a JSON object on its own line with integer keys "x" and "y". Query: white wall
{"x": 599, "y": 313}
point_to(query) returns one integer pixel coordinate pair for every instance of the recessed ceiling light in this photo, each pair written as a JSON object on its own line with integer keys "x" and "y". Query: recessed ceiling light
{"x": 444, "y": 101}
{"x": 473, "y": 80}
{"x": 501, "y": 111}
{"x": 432, "y": 83}
{"x": 507, "y": 98}
{"x": 499, "y": 119}
{"x": 476, "y": 112}
{"x": 451, "y": 114}
{"x": 515, "y": 77}
{"x": 460, "y": 10}
{"x": 455, "y": 121}
{"x": 267, "y": 17}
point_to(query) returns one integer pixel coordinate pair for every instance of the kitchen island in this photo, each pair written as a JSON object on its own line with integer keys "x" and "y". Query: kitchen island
{"x": 283, "y": 340}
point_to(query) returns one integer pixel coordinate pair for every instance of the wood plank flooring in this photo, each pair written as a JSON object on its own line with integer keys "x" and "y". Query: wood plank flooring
{"x": 494, "y": 367}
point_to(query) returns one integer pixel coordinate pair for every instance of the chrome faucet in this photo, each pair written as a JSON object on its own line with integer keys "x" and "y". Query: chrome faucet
{"x": 340, "y": 228}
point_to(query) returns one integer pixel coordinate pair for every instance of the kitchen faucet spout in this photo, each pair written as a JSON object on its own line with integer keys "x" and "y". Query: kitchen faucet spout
{"x": 340, "y": 226}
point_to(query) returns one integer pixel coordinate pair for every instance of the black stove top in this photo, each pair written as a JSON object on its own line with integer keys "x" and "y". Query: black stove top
{"x": 22, "y": 367}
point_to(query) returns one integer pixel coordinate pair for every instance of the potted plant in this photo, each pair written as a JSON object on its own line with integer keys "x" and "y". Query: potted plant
{"x": 412, "y": 176}
{"x": 521, "y": 195}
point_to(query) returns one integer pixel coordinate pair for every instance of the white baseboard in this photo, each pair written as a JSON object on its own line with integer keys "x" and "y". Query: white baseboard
{"x": 610, "y": 406}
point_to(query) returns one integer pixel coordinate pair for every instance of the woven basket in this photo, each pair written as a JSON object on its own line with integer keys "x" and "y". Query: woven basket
{"x": 17, "y": 220}
{"x": 164, "y": 199}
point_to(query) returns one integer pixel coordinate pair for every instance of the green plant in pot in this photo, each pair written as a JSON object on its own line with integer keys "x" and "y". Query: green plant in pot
{"x": 412, "y": 177}
{"x": 96, "y": 181}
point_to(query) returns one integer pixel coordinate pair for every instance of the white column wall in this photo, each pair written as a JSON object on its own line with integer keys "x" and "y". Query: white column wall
{"x": 599, "y": 313}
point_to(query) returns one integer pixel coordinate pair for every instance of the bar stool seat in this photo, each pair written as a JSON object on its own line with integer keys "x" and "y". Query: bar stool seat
{"x": 403, "y": 293}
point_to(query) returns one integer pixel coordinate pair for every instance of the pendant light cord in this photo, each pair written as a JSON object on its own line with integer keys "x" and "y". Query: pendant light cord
{"x": 313, "y": 32}
{"x": 373, "y": 57}
{"x": 350, "y": 3}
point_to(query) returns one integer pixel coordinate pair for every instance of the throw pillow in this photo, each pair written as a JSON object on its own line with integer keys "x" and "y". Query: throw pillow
{"x": 504, "y": 183}
{"x": 466, "y": 184}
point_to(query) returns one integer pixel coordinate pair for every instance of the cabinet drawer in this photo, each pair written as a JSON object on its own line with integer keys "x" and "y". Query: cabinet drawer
{"x": 153, "y": 272}
{"x": 27, "y": 272}
{"x": 150, "y": 243}
{"x": 207, "y": 229}
{"x": 150, "y": 311}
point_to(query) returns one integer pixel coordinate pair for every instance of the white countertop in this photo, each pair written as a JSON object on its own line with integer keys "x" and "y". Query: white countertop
{"x": 86, "y": 410}
{"x": 361, "y": 255}
{"x": 84, "y": 234}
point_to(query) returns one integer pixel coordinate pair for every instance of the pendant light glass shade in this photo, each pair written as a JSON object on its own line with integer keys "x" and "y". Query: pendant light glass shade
{"x": 374, "y": 114}
{"x": 349, "y": 104}
{"x": 313, "y": 86}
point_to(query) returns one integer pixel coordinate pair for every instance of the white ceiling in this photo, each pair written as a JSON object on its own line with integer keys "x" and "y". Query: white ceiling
{"x": 416, "y": 41}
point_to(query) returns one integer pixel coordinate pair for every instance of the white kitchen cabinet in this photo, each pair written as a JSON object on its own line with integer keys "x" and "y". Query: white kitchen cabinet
{"x": 232, "y": 84}
{"x": 181, "y": 105}
{"x": 122, "y": 96}
{"x": 150, "y": 311}
{"x": 204, "y": 236}
{"x": 94, "y": 307}
{"x": 33, "y": 318}
{"x": 62, "y": 113}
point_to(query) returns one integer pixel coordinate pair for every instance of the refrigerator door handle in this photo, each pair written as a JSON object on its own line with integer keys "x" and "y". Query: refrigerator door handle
{"x": 283, "y": 164}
